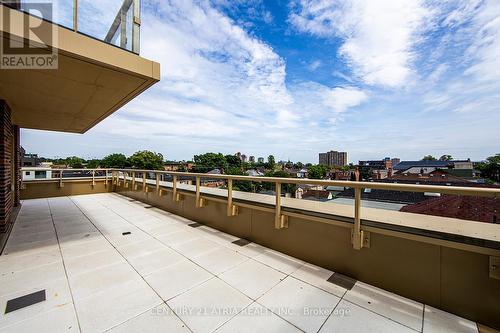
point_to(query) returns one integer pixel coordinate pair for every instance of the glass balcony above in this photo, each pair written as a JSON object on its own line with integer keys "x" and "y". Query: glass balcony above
{"x": 116, "y": 22}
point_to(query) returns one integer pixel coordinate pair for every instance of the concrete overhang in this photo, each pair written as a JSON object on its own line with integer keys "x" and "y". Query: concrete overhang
{"x": 93, "y": 80}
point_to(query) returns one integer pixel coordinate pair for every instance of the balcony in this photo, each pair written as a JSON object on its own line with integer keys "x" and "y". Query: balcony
{"x": 144, "y": 250}
{"x": 97, "y": 68}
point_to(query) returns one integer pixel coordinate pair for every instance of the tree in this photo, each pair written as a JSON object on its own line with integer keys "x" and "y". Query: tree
{"x": 74, "y": 162}
{"x": 233, "y": 161}
{"x": 147, "y": 160}
{"x": 446, "y": 158}
{"x": 242, "y": 185}
{"x": 285, "y": 188}
{"x": 491, "y": 168}
{"x": 208, "y": 161}
{"x": 271, "y": 162}
{"x": 93, "y": 163}
{"x": 429, "y": 158}
{"x": 318, "y": 171}
{"x": 115, "y": 161}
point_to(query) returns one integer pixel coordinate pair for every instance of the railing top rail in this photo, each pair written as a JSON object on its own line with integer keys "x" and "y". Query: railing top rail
{"x": 457, "y": 190}
{"x": 66, "y": 169}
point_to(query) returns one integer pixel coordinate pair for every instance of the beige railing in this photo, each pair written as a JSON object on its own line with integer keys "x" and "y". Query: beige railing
{"x": 153, "y": 177}
{"x": 281, "y": 220}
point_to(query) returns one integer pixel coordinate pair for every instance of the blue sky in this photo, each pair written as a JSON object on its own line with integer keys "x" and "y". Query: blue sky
{"x": 292, "y": 78}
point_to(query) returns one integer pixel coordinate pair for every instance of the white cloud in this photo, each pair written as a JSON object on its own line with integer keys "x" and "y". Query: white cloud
{"x": 314, "y": 65}
{"x": 221, "y": 86}
{"x": 378, "y": 36}
{"x": 223, "y": 89}
{"x": 341, "y": 99}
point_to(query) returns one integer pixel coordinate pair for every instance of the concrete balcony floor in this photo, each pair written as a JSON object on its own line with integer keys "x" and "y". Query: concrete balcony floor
{"x": 163, "y": 275}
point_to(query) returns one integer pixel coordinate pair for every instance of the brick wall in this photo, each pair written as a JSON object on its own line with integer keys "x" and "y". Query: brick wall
{"x": 6, "y": 144}
{"x": 18, "y": 156}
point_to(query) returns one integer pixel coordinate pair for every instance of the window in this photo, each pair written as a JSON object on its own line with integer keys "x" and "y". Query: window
{"x": 40, "y": 174}
{"x": 28, "y": 173}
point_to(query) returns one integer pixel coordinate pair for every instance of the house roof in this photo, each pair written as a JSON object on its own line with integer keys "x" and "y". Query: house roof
{"x": 316, "y": 194}
{"x": 254, "y": 173}
{"x": 461, "y": 207}
{"x": 405, "y": 165}
{"x": 437, "y": 176}
{"x": 214, "y": 172}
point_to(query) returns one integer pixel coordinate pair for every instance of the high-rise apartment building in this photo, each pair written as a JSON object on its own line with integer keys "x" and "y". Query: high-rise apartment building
{"x": 333, "y": 158}
{"x": 251, "y": 159}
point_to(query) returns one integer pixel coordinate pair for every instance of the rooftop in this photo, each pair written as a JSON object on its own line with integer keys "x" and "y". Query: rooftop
{"x": 109, "y": 263}
{"x": 404, "y": 165}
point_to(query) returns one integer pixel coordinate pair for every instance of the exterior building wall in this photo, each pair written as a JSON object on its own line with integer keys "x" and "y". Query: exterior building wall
{"x": 7, "y": 199}
{"x": 36, "y": 173}
{"x": 333, "y": 158}
{"x": 18, "y": 154}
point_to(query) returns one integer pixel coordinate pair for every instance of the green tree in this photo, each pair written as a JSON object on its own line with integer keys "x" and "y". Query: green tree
{"x": 491, "y": 168}
{"x": 271, "y": 162}
{"x": 208, "y": 161}
{"x": 429, "y": 158}
{"x": 147, "y": 160}
{"x": 446, "y": 158}
{"x": 233, "y": 161}
{"x": 318, "y": 171}
{"x": 285, "y": 188}
{"x": 115, "y": 161}
{"x": 93, "y": 163}
{"x": 74, "y": 162}
{"x": 242, "y": 185}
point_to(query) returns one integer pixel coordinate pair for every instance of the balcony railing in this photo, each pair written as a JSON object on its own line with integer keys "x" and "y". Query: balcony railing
{"x": 115, "y": 22}
{"x": 162, "y": 182}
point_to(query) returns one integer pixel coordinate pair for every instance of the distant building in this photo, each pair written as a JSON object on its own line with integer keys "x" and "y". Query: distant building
{"x": 395, "y": 161}
{"x": 461, "y": 168}
{"x": 260, "y": 160}
{"x": 333, "y": 158}
{"x": 376, "y": 169}
{"x": 254, "y": 173}
{"x": 302, "y": 173}
{"x": 317, "y": 195}
{"x": 30, "y": 160}
{"x": 376, "y": 164}
{"x": 461, "y": 207}
{"x": 172, "y": 166}
{"x": 176, "y": 166}
{"x": 238, "y": 154}
{"x": 34, "y": 173}
{"x": 243, "y": 158}
{"x": 436, "y": 177}
{"x": 251, "y": 159}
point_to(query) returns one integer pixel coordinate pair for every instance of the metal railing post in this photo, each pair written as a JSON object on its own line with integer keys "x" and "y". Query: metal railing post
{"x": 93, "y": 177}
{"x": 280, "y": 221}
{"x": 357, "y": 233}
{"x": 133, "y": 180}
{"x": 200, "y": 202}
{"x": 75, "y": 15}
{"x": 157, "y": 175}
{"x": 61, "y": 178}
{"x": 232, "y": 210}
{"x": 136, "y": 26}
{"x": 144, "y": 187}
{"x": 174, "y": 189}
